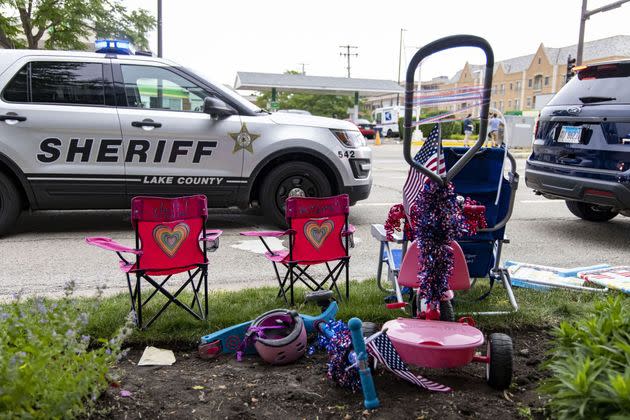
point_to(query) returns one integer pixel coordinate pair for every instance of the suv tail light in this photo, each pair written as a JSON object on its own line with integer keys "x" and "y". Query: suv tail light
{"x": 535, "y": 136}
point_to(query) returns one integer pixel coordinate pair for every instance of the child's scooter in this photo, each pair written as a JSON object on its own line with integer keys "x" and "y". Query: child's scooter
{"x": 429, "y": 342}
{"x": 227, "y": 340}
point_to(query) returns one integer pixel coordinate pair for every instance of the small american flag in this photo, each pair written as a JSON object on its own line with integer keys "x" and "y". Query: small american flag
{"x": 382, "y": 349}
{"x": 427, "y": 156}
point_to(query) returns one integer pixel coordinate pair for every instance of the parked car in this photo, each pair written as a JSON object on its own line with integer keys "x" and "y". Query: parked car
{"x": 83, "y": 130}
{"x": 366, "y": 128}
{"x": 581, "y": 148}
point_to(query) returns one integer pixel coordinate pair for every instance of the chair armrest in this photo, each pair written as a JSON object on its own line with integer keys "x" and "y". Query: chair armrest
{"x": 268, "y": 233}
{"x": 212, "y": 239}
{"x": 211, "y": 235}
{"x": 110, "y": 245}
{"x": 350, "y": 231}
{"x": 378, "y": 233}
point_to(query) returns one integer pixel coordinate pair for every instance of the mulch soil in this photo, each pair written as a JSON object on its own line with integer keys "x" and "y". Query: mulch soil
{"x": 223, "y": 388}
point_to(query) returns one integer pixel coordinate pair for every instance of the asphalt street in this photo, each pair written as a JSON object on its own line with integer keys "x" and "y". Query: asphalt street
{"x": 47, "y": 249}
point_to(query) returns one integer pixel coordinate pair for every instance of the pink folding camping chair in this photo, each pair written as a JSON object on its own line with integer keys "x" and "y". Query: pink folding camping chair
{"x": 319, "y": 233}
{"x": 171, "y": 238}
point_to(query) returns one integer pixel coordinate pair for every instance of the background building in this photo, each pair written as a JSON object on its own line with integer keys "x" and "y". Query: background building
{"x": 523, "y": 83}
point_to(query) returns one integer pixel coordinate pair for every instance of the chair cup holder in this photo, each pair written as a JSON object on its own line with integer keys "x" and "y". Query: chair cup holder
{"x": 350, "y": 240}
{"x": 213, "y": 245}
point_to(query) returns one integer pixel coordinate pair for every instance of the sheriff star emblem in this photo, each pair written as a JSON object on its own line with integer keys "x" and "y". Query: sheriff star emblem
{"x": 243, "y": 139}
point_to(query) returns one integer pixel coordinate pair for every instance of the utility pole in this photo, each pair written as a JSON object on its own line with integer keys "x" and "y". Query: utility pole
{"x": 399, "y": 63}
{"x": 348, "y": 55}
{"x": 303, "y": 71}
{"x": 585, "y": 15}
{"x": 159, "y": 27}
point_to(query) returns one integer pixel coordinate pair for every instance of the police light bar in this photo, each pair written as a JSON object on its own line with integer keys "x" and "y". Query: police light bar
{"x": 114, "y": 46}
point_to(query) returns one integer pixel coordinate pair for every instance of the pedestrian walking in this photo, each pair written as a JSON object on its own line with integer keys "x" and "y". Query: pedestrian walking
{"x": 493, "y": 130}
{"x": 468, "y": 129}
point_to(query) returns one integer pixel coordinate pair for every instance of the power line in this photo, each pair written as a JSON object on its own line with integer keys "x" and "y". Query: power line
{"x": 348, "y": 54}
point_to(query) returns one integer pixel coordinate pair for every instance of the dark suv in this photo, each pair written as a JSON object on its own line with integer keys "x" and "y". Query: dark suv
{"x": 581, "y": 150}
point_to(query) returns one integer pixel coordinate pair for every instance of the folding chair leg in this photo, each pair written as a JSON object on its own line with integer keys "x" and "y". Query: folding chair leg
{"x": 333, "y": 275}
{"x": 156, "y": 291}
{"x": 302, "y": 273}
{"x": 205, "y": 293}
{"x": 196, "y": 290}
{"x": 132, "y": 295}
{"x": 291, "y": 281}
{"x": 172, "y": 298}
{"x": 139, "y": 304}
{"x": 347, "y": 268}
{"x": 507, "y": 283}
{"x": 282, "y": 283}
{"x": 379, "y": 269}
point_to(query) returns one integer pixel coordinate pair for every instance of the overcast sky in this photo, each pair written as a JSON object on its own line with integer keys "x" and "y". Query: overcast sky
{"x": 223, "y": 37}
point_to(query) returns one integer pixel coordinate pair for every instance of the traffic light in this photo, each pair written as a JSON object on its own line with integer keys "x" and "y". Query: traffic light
{"x": 570, "y": 65}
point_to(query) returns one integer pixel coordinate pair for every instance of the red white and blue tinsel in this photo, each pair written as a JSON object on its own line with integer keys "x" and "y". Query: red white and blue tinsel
{"x": 338, "y": 347}
{"x": 438, "y": 220}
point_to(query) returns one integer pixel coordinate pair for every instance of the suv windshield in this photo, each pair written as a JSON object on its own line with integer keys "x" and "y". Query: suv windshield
{"x": 603, "y": 83}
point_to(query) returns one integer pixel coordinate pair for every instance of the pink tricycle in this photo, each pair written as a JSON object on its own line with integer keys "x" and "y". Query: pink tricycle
{"x": 431, "y": 342}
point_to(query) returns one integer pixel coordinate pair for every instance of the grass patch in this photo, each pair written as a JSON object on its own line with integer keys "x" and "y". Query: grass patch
{"x": 176, "y": 327}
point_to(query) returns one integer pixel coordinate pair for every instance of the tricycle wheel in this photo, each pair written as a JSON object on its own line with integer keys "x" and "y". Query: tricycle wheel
{"x": 447, "y": 313}
{"x": 499, "y": 367}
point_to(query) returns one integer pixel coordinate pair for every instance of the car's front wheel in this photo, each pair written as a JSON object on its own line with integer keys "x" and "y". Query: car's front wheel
{"x": 291, "y": 179}
{"x": 591, "y": 212}
{"x": 10, "y": 204}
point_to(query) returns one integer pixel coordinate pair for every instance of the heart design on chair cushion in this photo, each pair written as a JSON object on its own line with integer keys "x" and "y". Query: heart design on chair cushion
{"x": 170, "y": 239}
{"x": 316, "y": 231}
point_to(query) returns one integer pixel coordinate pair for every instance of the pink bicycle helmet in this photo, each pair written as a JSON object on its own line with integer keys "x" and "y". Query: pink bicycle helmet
{"x": 280, "y": 336}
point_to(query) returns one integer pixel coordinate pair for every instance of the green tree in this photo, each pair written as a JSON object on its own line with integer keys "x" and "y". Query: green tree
{"x": 322, "y": 105}
{"x": 68, "y": 24}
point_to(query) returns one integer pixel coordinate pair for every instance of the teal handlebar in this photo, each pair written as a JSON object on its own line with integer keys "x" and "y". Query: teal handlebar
{"x": 367, "y": 384}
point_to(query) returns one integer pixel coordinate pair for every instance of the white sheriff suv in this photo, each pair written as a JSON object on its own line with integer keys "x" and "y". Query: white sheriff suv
{"x": 92, "y": 130}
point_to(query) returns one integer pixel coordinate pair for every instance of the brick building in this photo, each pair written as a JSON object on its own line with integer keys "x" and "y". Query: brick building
{"x": 523, "y": 83}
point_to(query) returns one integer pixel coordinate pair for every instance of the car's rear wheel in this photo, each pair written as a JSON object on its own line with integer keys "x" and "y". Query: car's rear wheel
{"x": 10, "y": 204}
{"x": 390, "y": 133}
{"x": 292, "y": 178}
{"x": 591, "y": 212}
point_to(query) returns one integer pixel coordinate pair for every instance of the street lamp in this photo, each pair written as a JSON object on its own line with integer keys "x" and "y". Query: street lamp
{"x": 399, "y": 63}
{"x": 159, "y": 28}
{"x": 584, "y": 17}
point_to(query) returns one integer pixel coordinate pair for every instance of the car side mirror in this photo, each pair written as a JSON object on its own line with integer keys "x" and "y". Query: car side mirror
{"x": 216, "y": 108}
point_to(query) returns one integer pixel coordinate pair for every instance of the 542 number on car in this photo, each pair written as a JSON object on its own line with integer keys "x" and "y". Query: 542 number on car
{"x": 345, "y": 154}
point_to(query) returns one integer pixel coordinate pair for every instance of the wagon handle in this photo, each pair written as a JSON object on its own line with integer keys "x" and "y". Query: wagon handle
{"x": 453, "y": 41}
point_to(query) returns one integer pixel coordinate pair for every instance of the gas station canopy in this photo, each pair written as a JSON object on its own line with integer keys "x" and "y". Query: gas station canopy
{"x": 263, "y": 82}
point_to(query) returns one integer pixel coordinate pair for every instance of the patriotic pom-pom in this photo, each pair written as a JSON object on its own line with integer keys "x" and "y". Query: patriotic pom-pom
{"x": 438, "y": 220}
{"x": 395, "y": 217}
{"x": 338, "y": 347}
{"x": 474, "y": 216}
